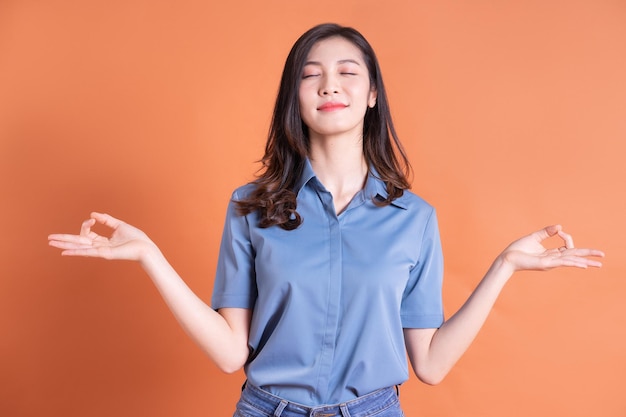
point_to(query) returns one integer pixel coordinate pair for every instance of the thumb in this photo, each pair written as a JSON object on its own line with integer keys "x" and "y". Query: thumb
{"x": 547, "y": 232}
{"x": 106, "y": 220}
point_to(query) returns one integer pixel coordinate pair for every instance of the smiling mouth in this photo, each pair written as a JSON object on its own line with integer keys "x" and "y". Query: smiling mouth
{"x": 331, "y": 106}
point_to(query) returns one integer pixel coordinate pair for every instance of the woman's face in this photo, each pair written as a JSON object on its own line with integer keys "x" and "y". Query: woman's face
{"x": 335, "y": 89}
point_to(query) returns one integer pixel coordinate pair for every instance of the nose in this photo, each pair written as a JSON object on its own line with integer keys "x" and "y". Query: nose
{"x": 329, "y": 85}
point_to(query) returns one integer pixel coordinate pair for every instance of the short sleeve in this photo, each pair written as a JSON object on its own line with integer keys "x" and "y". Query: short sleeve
{"x": 235, "y": 279}
{"x": 422, "y": 305}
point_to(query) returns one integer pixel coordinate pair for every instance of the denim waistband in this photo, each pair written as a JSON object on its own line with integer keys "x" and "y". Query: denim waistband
{"x": 370, "y": 404}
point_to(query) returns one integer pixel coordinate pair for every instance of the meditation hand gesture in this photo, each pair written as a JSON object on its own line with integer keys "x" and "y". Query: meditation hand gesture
{"x": 126, "y": 242}
{"x": 529, "y": 253}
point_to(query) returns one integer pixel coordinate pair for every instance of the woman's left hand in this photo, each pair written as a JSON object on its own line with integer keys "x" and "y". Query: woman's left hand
{"x": 529, "y": 253}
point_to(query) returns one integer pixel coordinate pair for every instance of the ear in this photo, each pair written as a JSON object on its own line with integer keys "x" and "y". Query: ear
{"x": 371, "y": 101}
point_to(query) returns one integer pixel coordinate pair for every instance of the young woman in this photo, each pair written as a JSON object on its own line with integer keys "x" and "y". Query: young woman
{"x": 330, "y": 269}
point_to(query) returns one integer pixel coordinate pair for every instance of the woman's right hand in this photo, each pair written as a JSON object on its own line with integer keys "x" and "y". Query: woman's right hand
{"x": 125, "y": 242}
{"x": 222, "y": 335}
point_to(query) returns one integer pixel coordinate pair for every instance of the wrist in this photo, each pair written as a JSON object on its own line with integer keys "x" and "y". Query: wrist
{"x": 503, "y": 267}
{"x": 148, "y": 254}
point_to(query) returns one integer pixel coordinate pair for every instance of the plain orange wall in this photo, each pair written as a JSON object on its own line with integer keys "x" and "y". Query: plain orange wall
{"x": 514, "y": 116}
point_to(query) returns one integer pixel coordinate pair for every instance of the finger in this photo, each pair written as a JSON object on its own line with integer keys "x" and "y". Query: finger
{"x": 567, "y": 238}
{"x": 577, "y": 257}
{"x": 86, "y": 226}
{"x": 87, "y": 252}
{"x": 593, "y": 263}
{"x": 106, "y": 219}
{"x": 76, "y": 239}
{"x": 68, "y": 244}
{"x": 547, "y": 232}
{"x": 580, "y": 262}
{"x": 583, "y": 252}
{"x": 565, "y": 261}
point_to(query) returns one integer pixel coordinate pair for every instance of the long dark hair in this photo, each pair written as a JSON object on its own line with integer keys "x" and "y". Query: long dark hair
{"x": 288, "y": 142}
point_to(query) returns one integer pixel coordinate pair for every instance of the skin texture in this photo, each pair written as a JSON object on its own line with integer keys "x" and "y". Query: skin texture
{"x": 334, "y": 74}
{"x": 335, "y": 90}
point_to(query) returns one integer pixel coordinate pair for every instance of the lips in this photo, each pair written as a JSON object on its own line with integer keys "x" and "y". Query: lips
{"x": 330, "y": 106}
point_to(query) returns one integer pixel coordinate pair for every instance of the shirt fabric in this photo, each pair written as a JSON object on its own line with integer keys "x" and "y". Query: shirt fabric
{"x": 330, "y": 299}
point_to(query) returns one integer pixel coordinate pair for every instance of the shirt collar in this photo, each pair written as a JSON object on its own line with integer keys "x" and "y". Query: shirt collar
{"x": 305, "y": 177}
{"x": 374, "y": 186}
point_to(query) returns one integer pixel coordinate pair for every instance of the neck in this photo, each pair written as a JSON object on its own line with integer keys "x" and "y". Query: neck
{"x": 340, "y": 165}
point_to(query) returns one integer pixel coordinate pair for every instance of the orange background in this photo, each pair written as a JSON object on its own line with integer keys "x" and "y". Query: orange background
{"x": 513, "y": 114}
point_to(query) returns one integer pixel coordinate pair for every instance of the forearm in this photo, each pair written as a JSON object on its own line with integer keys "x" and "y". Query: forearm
{"x": 225, "y": 345}
{"x": 433, "y": 352}
{"x": 454, "y": 337}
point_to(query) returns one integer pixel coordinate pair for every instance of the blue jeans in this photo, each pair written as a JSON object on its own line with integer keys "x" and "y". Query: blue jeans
{"x": 255, "y": 402}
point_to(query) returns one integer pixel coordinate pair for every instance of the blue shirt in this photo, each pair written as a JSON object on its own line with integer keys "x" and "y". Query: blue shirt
{"x": 330, "y": 298}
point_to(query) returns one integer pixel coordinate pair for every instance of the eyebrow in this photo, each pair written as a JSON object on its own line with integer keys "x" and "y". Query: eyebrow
{"x": 341, "y": 61}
